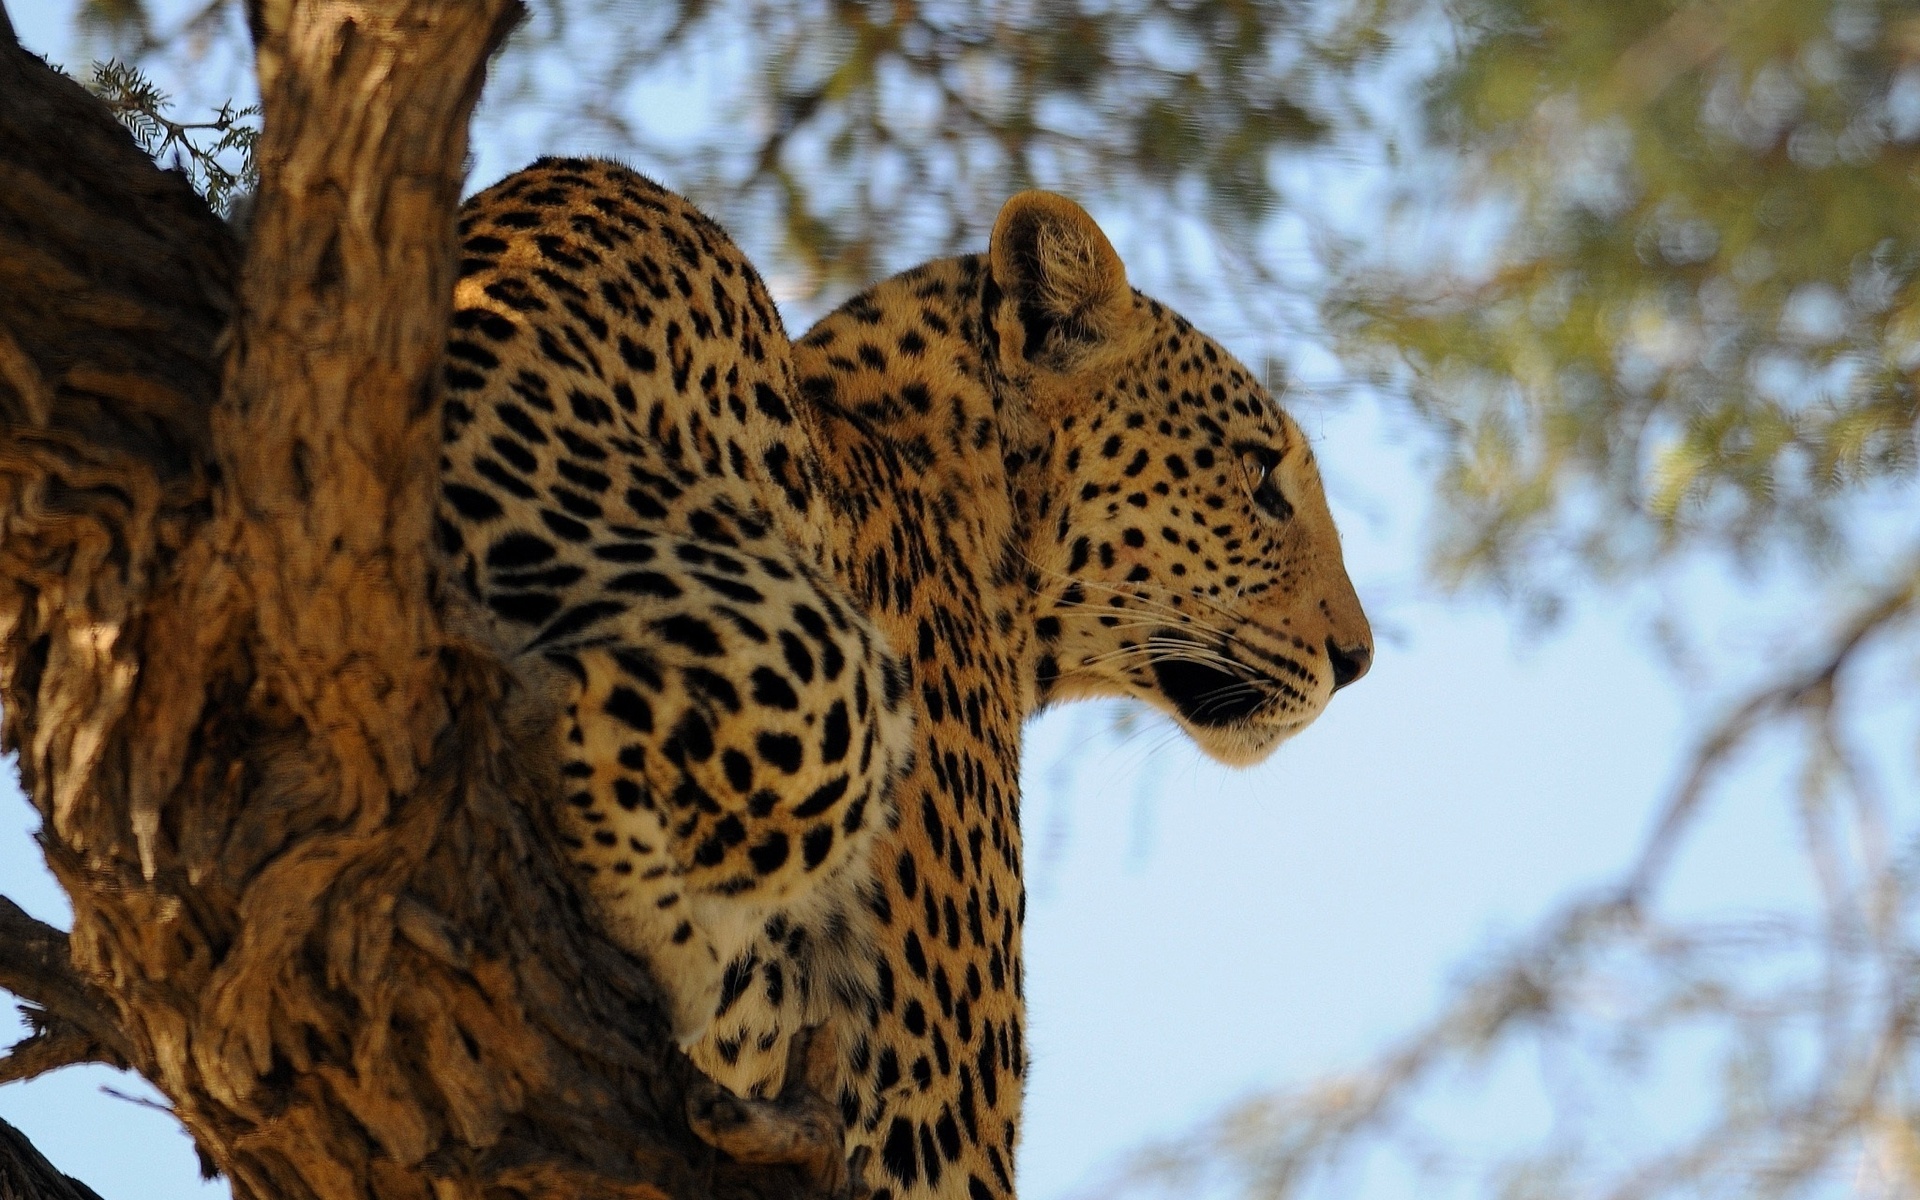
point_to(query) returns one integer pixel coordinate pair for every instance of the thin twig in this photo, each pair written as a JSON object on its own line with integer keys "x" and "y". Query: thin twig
{"x": 1793, "y": 693}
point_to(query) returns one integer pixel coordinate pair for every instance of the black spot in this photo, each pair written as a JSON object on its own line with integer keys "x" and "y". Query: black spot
{"x": 799, "y": 661}
{"x": 836, "y": 734}
{"x": 518, "y": 550}
{"x": 691, "y": 738}
{"x": 625, "y": 552}
{"x": 591, "y": 410}
{"x": 640, "y": 358}
{"x": 739, "y": 769}
{"x": 927, "y": 1154}
{"x": 486, "y": 321}
{"x": 783, "y": 750}
{"x": 898, "y": 1153}
{"x": 630, "y": 708}
{"x": 772, "y": 689}
{"x": 565, "y": 527}
{"x": 734, "y": 983}
{"x": 471, "y": 503}
{"x": 645, "y": 506}
{"x": 714, "y": 686}
{"x": 504, "y": 479}
{"x": 627, "y": 793}
{"x": 585, "y": 477}
{"x": 814, "y": 846}
{"x": 729, "y": 832}
{"x": 854, "y": 818}
{"x": 525, "y": 608}
{"x": 732, "y": 589}
{"x": 769, "y": 402}
{"x": 824, "y": 797}
{"x": 515, "y": 294}
{"x": 690, "y": 632}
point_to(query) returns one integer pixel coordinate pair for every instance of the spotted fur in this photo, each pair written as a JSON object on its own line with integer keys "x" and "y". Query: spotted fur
{"x": 629, "y": 495}
{"x": 983, "y": 486}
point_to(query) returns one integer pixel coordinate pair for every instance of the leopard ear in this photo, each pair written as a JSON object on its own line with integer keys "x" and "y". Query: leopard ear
{"x": 1059, "y": 274}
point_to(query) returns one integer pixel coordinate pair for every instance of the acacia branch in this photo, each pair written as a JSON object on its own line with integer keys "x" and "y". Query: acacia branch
{"x": 53, "y": 1045}
{"x": 73, "y": 1024}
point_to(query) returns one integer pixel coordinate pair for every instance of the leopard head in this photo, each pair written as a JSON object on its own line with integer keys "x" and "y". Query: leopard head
{"x": 1174, "y": 523}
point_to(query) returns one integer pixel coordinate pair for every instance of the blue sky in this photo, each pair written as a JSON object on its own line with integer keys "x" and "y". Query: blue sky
{"x": 1196, "y": 934}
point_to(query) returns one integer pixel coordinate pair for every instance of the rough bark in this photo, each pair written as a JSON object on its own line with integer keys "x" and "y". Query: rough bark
{"x": 297, "y": 811}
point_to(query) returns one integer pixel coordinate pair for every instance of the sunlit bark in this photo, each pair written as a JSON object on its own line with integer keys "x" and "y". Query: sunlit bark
{"x": 295, "y": 808}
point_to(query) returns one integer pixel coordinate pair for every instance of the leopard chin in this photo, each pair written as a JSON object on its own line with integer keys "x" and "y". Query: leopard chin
{"x": 1242, "y": 745}
{"x": 1234, "y": 714}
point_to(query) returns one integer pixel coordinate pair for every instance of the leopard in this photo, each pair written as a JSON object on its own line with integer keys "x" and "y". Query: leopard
{"x": 797, "y": 600}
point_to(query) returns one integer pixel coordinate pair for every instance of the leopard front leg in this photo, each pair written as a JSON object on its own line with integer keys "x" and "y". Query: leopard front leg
{"x": 632, "y": 874}
{"x": 730, "y": 749}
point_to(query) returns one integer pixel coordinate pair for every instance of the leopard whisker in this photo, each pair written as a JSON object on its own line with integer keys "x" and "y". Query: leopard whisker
{"x": 1226, "y": 636}
{"x": 1194, "y": 654}
{"x": 1169, "y": 615}
{"x": 1135, "y": 591}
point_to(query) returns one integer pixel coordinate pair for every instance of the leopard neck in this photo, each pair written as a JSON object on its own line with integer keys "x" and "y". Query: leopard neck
{"x": 903, "y": 417}
{"x": 903, "y": 409}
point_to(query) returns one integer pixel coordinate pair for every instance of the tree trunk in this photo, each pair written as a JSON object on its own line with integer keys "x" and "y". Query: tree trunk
{"x": 298, "y": 811}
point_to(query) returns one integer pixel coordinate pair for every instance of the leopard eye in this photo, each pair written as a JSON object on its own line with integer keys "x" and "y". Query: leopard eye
{"x": 1256, "y": 466}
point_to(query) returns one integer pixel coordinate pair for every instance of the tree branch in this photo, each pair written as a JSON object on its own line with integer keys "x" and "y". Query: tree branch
{"x": 77, "y": 1025}
{"x": 24, "y": 1173}
{"x": 54, "y": 1045}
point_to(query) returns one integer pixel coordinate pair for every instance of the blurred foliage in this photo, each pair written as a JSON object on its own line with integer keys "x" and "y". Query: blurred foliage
{"x": 1697, "y": 321}
{"x": 876, "y": 134}
{"x": 120, "y": 21}
{"x": 1691, "y": 319}
{"x": 1753, "y": 1054}
{"x": 872, "y": 134}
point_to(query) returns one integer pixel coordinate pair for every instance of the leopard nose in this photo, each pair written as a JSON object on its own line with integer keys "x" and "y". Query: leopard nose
{"x": 1349, "y": 663}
